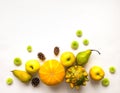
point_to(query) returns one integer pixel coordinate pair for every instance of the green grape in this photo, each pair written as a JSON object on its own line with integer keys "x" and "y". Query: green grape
{"x": 112, "y": 69}
{"x": 9, "y": 81}
{"x": 85, "y": 42}
{"x": 29, "y": 48}
{"x": 79, "y": 33}
{"x": 105, "y": 82}
{"x": 17, "y": 61}
{"x": 74, "y": 45}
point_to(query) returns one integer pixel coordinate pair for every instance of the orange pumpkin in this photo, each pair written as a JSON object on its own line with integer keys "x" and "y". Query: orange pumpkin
{"x": 51, "y": 72}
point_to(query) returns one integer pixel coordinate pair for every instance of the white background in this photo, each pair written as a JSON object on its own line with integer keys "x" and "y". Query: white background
{"x": 45, "y": 24}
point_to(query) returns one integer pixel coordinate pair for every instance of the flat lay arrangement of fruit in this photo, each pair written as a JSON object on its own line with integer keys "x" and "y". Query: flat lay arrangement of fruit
{"x": 70, "y": 68}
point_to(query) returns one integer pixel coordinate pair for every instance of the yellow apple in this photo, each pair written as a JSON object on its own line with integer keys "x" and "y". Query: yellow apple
{"x": 32, "y": 66}
{"x": 67, "y": 59}
{"x": 96, "y": 73}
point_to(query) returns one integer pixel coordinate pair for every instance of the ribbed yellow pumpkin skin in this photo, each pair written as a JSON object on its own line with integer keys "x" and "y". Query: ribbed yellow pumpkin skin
{"x": 51, "y": 72}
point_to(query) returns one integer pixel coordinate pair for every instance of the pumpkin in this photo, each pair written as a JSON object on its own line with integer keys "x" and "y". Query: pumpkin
{"x": 52, "y": 72}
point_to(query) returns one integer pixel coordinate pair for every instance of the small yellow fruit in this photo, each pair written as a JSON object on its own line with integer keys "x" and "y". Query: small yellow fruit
{"x": 96, "y": 73}
{"x": 51, "y": 72}
{"x": 32, "y": 66}
{"x": 67, "y": 59}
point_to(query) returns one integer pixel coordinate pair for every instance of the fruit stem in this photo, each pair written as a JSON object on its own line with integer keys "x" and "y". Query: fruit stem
{"x": 96, "y": 51}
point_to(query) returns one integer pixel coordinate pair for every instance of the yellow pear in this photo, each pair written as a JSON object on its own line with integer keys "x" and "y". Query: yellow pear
{"x": 22, "y": 75}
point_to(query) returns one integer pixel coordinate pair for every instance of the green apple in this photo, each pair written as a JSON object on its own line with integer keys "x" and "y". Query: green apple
{"x": 96, "y": 73}
{"x": 67, "y": 59}
{"x": 32, "y": 66}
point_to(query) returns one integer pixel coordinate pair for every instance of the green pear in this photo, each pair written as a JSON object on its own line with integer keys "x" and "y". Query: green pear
{"x": 83, "y": 57}
{"x": 22, "y": 75}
